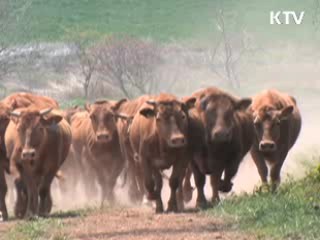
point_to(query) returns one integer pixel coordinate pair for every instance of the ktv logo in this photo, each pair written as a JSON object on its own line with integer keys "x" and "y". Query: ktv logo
{"x": 286, "y": 17}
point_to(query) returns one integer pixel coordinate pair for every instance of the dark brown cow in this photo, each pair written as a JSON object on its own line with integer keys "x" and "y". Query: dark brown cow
{"x": 17, "y": 100}
{"x": 133, "y": 177}
{"x": 96, "y": 146}
{"x": 277, "y": 125}
{"x": 158, "y": 136}
{"x": 221, "y": 133}
{"x": 37, "y": 143}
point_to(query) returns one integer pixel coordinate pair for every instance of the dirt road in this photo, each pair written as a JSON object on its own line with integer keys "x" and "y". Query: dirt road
{"x": 142, "y": 223}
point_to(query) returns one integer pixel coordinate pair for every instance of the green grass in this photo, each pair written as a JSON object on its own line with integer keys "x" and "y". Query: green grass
{"x": 75, "y": 102}
{"x": 51, "y": 20}
{"x": 293, "y": 212}
{"x": 45, "y": 228}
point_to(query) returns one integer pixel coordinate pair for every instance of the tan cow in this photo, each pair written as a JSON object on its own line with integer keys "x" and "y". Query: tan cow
{"x": 96, "y": 146}
{"x": 158, "y": 136}
{"x": 128, "y": 110}
{"x": 13, "y": 101}
{"x": 277, "y": 123}
{"x": 37, "y": 143}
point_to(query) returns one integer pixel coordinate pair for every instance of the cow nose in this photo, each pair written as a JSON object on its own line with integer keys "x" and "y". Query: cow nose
{"x": 28, "y": 154}
{"x": 177, "y": 141}
{"x": 103, "y": 137}
{"x": 267, "y": 146}
{"x": 220, "y": 135}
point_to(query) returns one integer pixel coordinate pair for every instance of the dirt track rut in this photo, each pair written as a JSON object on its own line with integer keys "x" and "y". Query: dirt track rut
{"x": 142, "y": 223}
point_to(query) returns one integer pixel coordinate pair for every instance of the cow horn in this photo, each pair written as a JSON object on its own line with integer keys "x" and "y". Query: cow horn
{"x": 152, "y": 102}
{"x": 256, "y": 119}
{"x": 15, "y": 114}
{"x": 45, "y": 111}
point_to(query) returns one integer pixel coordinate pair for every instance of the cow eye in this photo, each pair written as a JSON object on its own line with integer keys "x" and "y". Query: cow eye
{"x": 277, "y": 122}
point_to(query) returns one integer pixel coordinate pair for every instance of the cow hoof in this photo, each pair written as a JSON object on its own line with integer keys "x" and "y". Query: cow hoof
{"x": 3, "y": 216}
{"x": 225, "y": 186}
{"x": 159, "y": 210}
{"x": 172, "y": 208}
{"x": 202, "y": 205}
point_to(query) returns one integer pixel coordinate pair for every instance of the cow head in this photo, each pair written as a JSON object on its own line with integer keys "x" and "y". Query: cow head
{"x": 68, "y": 113}
{"x": 170, "y": 118}
{"x": 103, "y": 115}
{"x": 218, "y": 113}
{"x": 31, "y": 127}
{"x": 267, "y": 122}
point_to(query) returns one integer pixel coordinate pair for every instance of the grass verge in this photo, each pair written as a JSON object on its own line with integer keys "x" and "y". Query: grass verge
{"x": 293, "y": 212}
{"x": 44, "y": 228}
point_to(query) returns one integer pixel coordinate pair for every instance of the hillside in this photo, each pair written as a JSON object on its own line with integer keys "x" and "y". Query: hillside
{"x": 165, "y": 20}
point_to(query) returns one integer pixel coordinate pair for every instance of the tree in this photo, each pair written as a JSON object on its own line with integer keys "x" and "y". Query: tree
{"x": 129, "y": 64}
{"x": 227, "y": 52}
{"x": 88, "y": 63}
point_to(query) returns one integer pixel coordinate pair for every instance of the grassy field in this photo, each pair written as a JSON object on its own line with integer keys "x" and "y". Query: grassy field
{"x": 293, "y": 212}
{"x": 165, "y": 20}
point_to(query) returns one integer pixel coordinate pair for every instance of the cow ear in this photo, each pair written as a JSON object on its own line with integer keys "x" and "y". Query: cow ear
{"x": 13, "y": 104}
{"x": 51, "y": 120}
{"x": 243, "y": 104}
{"x": 148, "y": 112}
{"x": 286, "y": 112}
{"x": 14, "y": 116}
{"x": 118, "y": 104}
{"x": 87, "y": 107}
{"x": 189, "y": 103}
{"x": 124, "y": 117}
{"x": 203, "y": 103}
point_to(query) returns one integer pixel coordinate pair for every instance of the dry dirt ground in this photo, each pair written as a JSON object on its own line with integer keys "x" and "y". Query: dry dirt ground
{"x": 142, "y": 223}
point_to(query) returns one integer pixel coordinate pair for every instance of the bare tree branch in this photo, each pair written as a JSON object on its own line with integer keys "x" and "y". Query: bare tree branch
{"x": 129, "y": 64}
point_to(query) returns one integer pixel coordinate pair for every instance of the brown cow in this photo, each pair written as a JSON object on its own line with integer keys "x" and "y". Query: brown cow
{"x": 13, "y": 101}
{"x": 128, "y": 111}
{"x": 37, "y": 143}
{"x": 158, "y": 136}
{"x": 277, "y": 124}
{"x": 221, "y": 133}
{"x": 96, "y": 146}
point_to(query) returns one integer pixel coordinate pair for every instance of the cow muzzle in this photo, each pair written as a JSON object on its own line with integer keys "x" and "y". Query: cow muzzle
{"x": 28, "y": 155}
{"x": 221, "y": 135}
{"x": 177, "y": 141}
{"x": 103, "y": 137}
{"x": 267, "y": 146}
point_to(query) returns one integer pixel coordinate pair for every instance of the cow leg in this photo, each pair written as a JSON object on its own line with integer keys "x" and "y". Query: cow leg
{"x": 134, "y": 193}
{"x": 22, "y": 198}
{"x": 33, "y": 199}
{"x": 45, "y": 197}
{"x": 215, "y": 184}
{"x": 260, "y": 164}
{"x": 149, "y": 182}
{"x": 174, "y": 184}
{"x": 187, "y": 188}
{"x": 157, "y": 192}
{"x": 3, "y": 192}
{"x": 200, "y": 180}
{"x": 275, "y": 173}
{"x": 45, "y": 201}
{"x": 230, "y": 171}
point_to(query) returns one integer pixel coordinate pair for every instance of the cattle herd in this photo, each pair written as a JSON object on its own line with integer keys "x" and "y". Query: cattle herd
{"x": 207, "y": 133}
